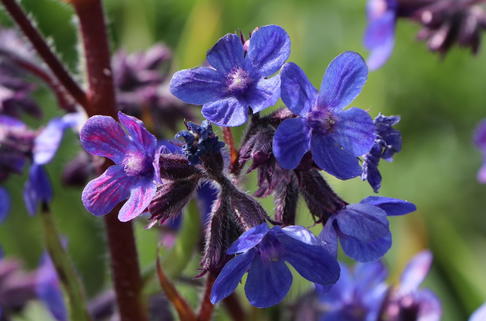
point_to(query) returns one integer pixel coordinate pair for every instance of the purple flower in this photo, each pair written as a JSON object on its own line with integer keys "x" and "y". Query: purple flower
{"x": 388, "y": 141}
{"x": 262, "y": 252}
{"x": 335, "y": 137}
{"x": 363, "y": 228}
{"x": 4, "y": 204}
{"x": 379, "y": 37}
{"x": 48, "y": 289}
{"x": 132, "y": 148}
{"x": 479, "y": 314}
{"x": 408, "y": 301}
{"x": 236, "y": 79}
{"x": 356, "y": 296}
{"x": 480, "y": 141}
{"x": 37, "y": 189}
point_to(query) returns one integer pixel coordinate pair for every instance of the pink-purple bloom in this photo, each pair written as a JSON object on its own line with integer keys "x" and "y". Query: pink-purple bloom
{"x": 262, "y": 252}
{"x": 335, "y": 137}
{"x": 236, "y": 79}
{"x": 132, "y": 148}
{"x": 379, "y": 37}
{"x": 363, "y": 229}
{"x": 480, "y": 141}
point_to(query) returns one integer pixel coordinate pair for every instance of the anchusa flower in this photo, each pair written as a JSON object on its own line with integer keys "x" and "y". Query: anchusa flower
{"x": 4, "y": 204}
{"x": 479, "y": 314}
{"x": 335, "y": 137}
{"x": 263, "y": 253}
{"x": 480, "y": 141}
{"x": 388, "y": 141}
{"x": 237, "y": 78}
{"x": 48, "y": 289}
{"x": 132, "y": 148}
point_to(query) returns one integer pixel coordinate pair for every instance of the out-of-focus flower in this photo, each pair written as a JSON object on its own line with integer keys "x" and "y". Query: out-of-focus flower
{"x": 4, "y": 204}
{"x": 48, "y": 289}
{"x": 236, "y": 79}
{"x": 132, "y": 148}
{"x": 356, "y": 296}
{"x": 480, "y": 141}
{"x": 363, "y": 228}
{"x": 388, "y": 141}
{"x": 262, "y": 252}
{"x": 335, "y": 137}
{"x": 479, "y": 314}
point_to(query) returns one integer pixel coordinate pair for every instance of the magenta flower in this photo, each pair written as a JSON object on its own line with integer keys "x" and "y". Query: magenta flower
{"x": 132, "y": 148}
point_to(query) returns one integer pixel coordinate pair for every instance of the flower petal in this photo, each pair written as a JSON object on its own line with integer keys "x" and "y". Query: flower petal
{"x": 341, "y": 292}
{"x": 343, "y": 80}
{"x": 267, "y": 283}
{"x": 137, "y": 131}
{"x": 354, "y": 130}
{"x": 479, "y": 314}
{"x": 297, "y": 92}
{"x": 48, "y": 141}
{"x": 269, "y": 49}
{"x": 264, "y": 94}
{"x": 37, "y": 189}
{"x": 227, "y": 53}
{"x": 230, "y": 276}
{"x": 363, "y": 222}
{"x": 366, "y": 251}
{"x": 4, "y": 204}
{"x": 228, "y": 112}
{"x": 198, "y": 85}
{"x": 392, "y": 206}
{"x": 301, "y": 234}
{"x": 380, "y": 39}
{"x": 102, "y": 194}
{"x": 480, "y": 135}
{"x": 329, "y": 238}
{"x": 313, "y": 262}
{"x": 48, "y": 289}
{"x": 481, "y": 176}
{"x": 103, "y": 136}
{"x": 329, "y": 156}
{"x": 249, "y": 239}
{"x": 290, "y": 142}
{"x": 368, "y": 276}
{"x": 415, "y": 272}
{"x": 430, "y": 308}
{"x": 140, "y": 197}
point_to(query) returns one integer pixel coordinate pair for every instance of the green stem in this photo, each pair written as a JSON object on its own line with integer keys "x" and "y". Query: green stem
{"x": 65, "y": 269}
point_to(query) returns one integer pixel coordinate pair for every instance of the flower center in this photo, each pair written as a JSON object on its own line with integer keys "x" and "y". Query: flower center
{"x": 136, "y": 164}
{"x": 321, "y": 120}
{"x": 270, "y": 249}
{"x": 238, "y": 80}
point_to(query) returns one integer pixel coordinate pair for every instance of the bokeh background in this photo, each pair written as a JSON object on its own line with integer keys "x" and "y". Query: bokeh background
{"x": 440, "y": 100}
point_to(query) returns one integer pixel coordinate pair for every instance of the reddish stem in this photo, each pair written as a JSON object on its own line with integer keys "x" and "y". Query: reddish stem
{"x": 42, "y": 48}
{"x": 234, "y": 308}
{"x": 228, "y": 138}
{"x": 206, "y": 309}
{"x": 101, "y": 96}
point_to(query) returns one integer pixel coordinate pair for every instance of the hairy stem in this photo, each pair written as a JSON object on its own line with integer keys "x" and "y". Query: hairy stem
{"x": 101, "y": 96}
{"x": 44, "y": 51}
{"x": 206, "y": 309}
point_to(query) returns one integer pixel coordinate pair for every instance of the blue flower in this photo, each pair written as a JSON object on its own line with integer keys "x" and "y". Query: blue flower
{"x": 335, "y": 137}
{"x": 132, "y": 148}
{"x": 480, "y": 141}
{"x": 356, "y": 296}
{"x": 236, "y": 79}
{"x": 48, "y": 289}
{"x": 479, "y": 314}
{"x": 379, "y": 37}
{"x": 4, "y": 204}
{"x": 363, "y": 228}
{"x": 199, "y": 140}
{"x": 388, "y": 142}
{"x": 262, "y": 252}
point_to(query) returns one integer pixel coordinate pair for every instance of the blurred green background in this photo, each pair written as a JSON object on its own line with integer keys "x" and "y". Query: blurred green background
{"x": 440, "y": 102}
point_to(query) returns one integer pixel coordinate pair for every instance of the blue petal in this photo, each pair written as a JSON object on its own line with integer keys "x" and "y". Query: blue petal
{"x": 368, "y": 276}
{"x": 249, "y": 239}
{"x": 290, "y": 142}
{"x": 49, "y": 291}
{"x": 313, "y": 262}
{"x": 227, "y": 53}
{"x": 329, "y": 238}
{"x": 480, "y": 136}
{"x": 354, "y": 131}
{"x": 102, "y": 194}
{"x": 363, "y": 222}
{"x": 103, "y": 136}
{"x": 4, "y": 204}
{"x": 228, "y": 112}
{"x": 230, "y": 276}
{"x": 343, "y": 80}
{"x": 141, "y": 194}
{"x": 340, "y": 293}
{"x": 430, "y": 307}
{"x": 207, "y": 194}
{"x": 198, "y": 85}
{"x": 264, "y": 94}
{"x": 48, "y": 141}
{"x": 269, "y": 49}
{"x": 139, "y": 134}
{"x": 267, "y": 283}
{"x": 302, "y": 234}
{"x": 297, "y": 92}
{"x": 329, "y": 156}
{"x": 37, "y": 189}
{"x": 380, "y": 39}
{"x": 479, "y": 314}
{"x": 366, "y": 251}
{"x": 392, "y": 206}
{"x": 415, "y": 272}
